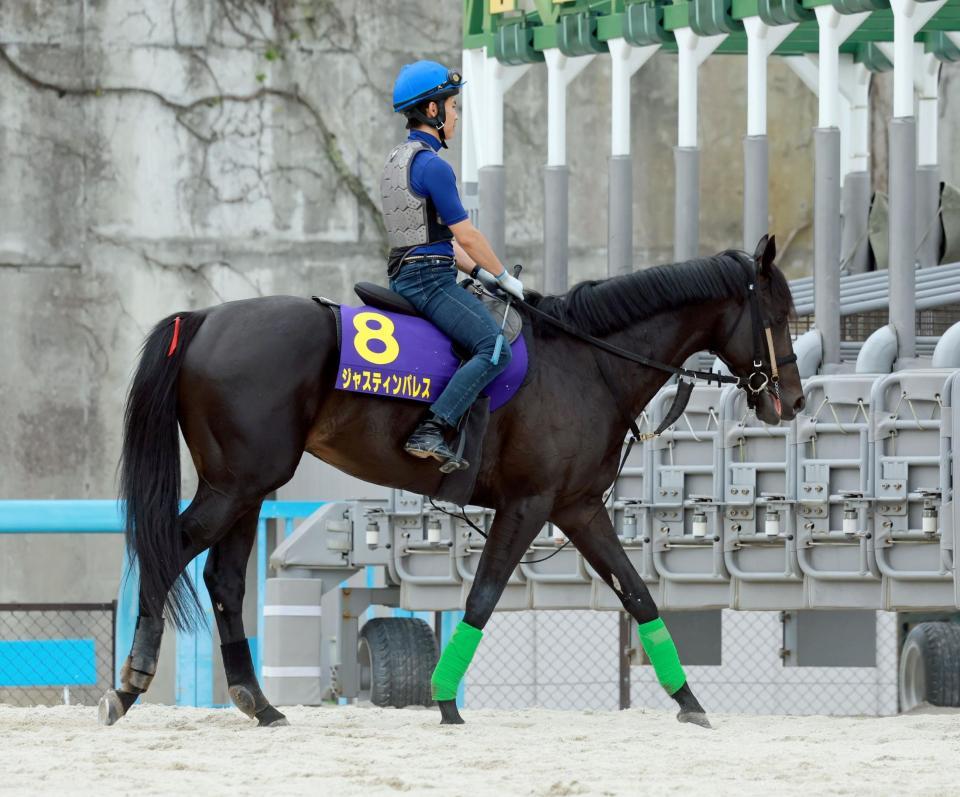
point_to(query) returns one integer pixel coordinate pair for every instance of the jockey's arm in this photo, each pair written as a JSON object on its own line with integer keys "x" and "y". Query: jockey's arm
{"x": 464, "y": 262}
{"x": 470, "y": 247}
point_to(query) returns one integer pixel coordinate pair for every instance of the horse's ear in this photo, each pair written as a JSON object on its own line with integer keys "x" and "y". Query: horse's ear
{"x": 765, "y": 253}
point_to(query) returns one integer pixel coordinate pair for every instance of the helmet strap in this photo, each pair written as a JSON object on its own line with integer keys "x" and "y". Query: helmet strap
{"x": 437, "y": 122}
{"x": 441, "y": 121}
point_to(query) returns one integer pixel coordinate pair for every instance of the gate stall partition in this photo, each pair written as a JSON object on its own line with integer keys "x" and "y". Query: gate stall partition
{"x": 835, "y": 540}
{"x": 759, "y": 541}
{"x": 913, "y": 554}
{"x": 687, "y": 481}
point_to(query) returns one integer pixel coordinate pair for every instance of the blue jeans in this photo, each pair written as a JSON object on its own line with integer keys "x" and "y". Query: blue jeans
{"x": 431, "y": 287}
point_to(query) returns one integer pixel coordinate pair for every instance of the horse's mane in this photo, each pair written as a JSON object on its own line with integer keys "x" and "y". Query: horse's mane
{"x": 601, "y": 307}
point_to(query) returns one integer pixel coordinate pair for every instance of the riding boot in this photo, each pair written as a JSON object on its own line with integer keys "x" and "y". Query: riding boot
{"x": 428, "y": 440}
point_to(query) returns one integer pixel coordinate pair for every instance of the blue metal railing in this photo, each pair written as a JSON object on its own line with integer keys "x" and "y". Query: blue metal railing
{"x": 194, "y": 677}
{"x": 194, "y": 683}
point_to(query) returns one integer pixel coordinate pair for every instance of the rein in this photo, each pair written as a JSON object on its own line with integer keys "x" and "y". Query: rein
{"x": 707, "y": 376}
{"x": 753, "y": 384}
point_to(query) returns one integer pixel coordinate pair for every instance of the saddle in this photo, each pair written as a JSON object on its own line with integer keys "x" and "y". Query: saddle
{"x": 388, "y": 349}
{"x": 385, "y": 299}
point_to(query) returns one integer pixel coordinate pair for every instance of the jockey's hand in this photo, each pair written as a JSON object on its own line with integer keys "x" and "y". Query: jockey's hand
{"x": 510, "y": 284}
{"x": 485, "y": 278}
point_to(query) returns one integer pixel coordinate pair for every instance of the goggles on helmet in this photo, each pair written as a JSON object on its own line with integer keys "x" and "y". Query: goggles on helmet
{"x": 453, "y": 83}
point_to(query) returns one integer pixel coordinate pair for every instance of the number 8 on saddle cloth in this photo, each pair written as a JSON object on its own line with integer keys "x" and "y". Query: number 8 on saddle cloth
{"x": 388, "y": 350}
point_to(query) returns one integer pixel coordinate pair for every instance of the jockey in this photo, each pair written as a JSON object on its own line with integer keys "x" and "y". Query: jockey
{"x": 431, "y": 236}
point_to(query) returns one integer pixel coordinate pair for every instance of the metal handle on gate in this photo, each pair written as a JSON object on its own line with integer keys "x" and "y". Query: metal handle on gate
{"x": 771, "y": 537}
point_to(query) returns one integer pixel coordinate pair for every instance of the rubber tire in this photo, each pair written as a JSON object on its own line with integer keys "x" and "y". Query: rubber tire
{"x": 397, "y": 656}
{"x": 931, "y": 652}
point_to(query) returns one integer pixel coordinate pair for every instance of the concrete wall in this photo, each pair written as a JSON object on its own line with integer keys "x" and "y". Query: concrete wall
{"x": 159, "y": 157}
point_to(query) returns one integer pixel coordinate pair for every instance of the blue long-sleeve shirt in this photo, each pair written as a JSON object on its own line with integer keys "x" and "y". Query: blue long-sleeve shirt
{"x": 431, "y": 176}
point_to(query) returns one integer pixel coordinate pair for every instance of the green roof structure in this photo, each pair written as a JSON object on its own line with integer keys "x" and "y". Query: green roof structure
{"x": 579, "y": 27}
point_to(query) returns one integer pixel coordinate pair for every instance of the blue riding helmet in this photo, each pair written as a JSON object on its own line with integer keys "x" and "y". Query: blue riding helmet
{"x": 422, "y": 81}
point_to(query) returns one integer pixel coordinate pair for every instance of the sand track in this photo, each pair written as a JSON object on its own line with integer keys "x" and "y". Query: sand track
{"x": 365, "y": 751}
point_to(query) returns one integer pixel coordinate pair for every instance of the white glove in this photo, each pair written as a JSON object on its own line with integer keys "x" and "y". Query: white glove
{"x": 510, "y": 284}
{"x": 485, "y": 278}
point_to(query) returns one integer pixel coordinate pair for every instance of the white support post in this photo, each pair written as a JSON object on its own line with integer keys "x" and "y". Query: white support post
{"x": 561, "y": 72}
{"x": 488, "y": 81}
{"x": 762, "y": 40}
{"x": 482, "y": 153}
{"x": 855, "y": 90}
{"x": 829, "y": 168}
{"x": 835, "y": 29}
{"x": 903, "y": 57}
{"x": 908, "y": 17}
{"x": 854, "y": 165}
{"x": 626, "y": 60}
{"x": 828, "y": 113}
{"x": 853, "y": 107}
{"x": 929, "y": 235}
{"x": 693, "y": 50}
{"x": 928, "y": 106}
{"x": 497, "y": 81}
{"x": 907, "y": 205}
{"x": 471, "y": 104}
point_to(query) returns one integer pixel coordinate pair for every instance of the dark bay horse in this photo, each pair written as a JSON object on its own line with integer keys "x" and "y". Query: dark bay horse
{"x": 251, "y": 384}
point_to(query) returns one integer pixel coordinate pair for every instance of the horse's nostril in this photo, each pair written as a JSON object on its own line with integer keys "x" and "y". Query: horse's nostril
{"x": 798, "y": 404}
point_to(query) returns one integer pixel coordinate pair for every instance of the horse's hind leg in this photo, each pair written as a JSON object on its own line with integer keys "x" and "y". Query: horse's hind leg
{"x": 208, "y": 517}
{"x": 590, "y": 530}
{"x": 225, "y": 575}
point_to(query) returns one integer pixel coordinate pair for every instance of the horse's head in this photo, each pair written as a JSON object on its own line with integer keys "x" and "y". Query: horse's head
{"x": 756, "y": 345}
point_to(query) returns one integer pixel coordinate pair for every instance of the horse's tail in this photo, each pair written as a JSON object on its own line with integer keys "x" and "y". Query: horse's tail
{"x": 150, "y": 471}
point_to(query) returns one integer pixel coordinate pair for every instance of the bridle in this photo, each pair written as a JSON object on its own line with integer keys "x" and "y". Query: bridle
{"x": 764, "y": 353}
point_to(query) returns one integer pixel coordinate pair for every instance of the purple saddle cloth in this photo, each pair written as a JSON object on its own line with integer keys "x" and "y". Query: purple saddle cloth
{"x": 402, "y": 356}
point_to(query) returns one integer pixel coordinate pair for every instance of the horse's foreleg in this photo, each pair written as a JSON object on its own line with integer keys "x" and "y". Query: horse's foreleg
{"x": 225, "y": 576}
{"x": 510, "y": 535}
{"x": 590, "y": 530}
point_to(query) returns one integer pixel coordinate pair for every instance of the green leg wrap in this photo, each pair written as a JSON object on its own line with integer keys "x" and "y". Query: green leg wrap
{"x": 454, "y": 660}
{"x": 659, "y": 647}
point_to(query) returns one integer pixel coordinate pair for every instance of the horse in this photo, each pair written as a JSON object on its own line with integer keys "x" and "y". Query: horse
{"x": 251, "y": 385}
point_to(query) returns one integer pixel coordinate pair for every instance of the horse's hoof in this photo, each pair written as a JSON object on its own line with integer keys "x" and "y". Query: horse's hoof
{"x": 694, "y": 718}
{"x": 110, "y": 708}
{"x": 449, "y": 715}
{"x": 244, "y": 700}
{"x": 271, "y": 718}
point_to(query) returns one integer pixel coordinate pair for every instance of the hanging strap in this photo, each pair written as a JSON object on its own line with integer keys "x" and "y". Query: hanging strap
{"x": 680, "y": 401}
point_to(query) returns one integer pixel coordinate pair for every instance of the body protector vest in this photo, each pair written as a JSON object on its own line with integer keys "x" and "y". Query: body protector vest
{"x": 411, "y": 220}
